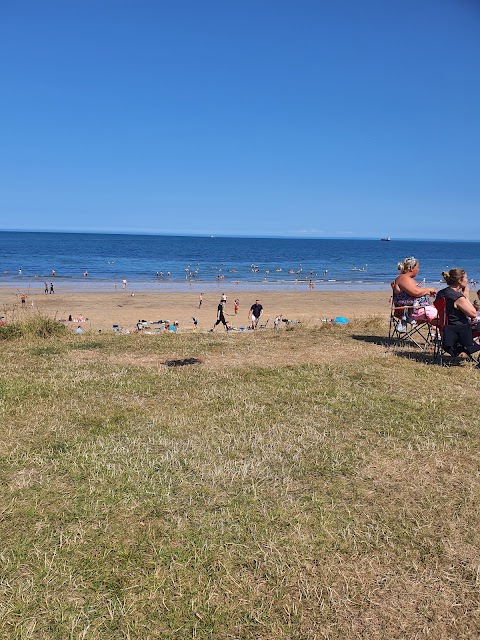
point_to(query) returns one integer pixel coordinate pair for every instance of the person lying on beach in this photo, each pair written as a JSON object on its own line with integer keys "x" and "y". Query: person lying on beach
{"x": 408, "y": 293}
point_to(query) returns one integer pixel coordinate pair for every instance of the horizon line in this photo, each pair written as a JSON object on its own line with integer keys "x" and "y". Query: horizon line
{"x": 226, "y": 235}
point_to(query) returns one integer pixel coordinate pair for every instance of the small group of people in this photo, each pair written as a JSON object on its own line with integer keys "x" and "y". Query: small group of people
{"x": 254, "y": 314}
{"x": 460, "y": 311}
{"x": 169, "y": 327}
{"x": 49, "y": 289}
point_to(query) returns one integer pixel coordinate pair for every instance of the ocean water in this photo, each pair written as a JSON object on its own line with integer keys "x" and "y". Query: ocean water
{"x": 28, "y": 258}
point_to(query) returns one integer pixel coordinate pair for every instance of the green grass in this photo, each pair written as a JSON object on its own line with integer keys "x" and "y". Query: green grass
{"x": 305, "y": 485}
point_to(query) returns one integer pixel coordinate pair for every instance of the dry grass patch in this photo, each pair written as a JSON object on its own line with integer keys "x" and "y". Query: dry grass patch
{"x": 274, "y": 495}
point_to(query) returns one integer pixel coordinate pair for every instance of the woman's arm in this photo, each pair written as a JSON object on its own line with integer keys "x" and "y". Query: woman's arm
{"x": 466, "y": 306}
{"x": 407, "y": 284}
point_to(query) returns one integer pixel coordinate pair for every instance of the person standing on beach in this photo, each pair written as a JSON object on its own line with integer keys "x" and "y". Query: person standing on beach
{"x": 200, "y": 300}
{"x": 255, "y": 312}
{"x": 124, "y": 284}
{"x": 224, "y": 298}
{"x": 51, "y": 288}
{"x": 220, "y": 316}
{"x": 46, "y": 287}
{"x": 236, "y": 305}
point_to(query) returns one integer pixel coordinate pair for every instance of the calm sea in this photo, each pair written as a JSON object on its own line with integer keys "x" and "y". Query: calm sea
{"x": 27, "y": 260}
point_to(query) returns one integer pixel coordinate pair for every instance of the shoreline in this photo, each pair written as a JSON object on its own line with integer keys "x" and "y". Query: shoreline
{"x": 91, "y": 286}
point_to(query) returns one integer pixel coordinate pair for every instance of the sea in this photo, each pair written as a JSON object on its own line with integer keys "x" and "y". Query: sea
{"x": 99, "y": 261}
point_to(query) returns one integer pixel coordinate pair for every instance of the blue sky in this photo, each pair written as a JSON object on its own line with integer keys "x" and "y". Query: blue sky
{"x": 323, "y": 118}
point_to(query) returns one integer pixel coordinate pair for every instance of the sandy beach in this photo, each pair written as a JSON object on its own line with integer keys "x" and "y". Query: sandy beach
{"x": 103, "y": 310}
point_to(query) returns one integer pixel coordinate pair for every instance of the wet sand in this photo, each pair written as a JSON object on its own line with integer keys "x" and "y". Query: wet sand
{"x": 103, "y": 310}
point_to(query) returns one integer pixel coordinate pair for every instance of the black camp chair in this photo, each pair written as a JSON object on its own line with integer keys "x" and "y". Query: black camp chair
{"x": 403, "y": 330}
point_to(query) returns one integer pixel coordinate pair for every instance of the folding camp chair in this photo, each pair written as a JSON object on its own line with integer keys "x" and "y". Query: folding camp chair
{"x": 442, "y": 319}
{"x": 452, "y": 339}
{"x": 403, "y": 329}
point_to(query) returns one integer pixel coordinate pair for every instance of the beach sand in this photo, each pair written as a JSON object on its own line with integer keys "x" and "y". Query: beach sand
{"x": 103, "y": 309}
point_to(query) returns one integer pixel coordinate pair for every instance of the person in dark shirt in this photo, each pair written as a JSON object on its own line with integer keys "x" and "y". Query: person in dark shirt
{"x": 220, "y": 316}
{"x": 459, "y": 308}
{"x": 457, "y": 333}
{"x": 255, "y": 312}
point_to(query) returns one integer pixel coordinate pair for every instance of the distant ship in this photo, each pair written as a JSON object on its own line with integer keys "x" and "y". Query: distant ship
{"x": 386, "y": 239}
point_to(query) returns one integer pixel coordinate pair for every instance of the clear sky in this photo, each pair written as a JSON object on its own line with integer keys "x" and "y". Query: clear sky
{"x": 321, "y": 118}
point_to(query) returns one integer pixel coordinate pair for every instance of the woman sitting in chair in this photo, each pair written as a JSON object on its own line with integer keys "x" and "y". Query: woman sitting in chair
{"x": 408, "y": 293}
{"x": 457, "y": 334}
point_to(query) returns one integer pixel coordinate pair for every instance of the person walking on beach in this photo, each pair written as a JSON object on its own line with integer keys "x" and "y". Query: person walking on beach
{"x": 46, "y": 287}
{"x": 236, "y": 305}
{"x": 220, "y": 316}
{"x": 124, "y": 284}
{"x": 51, "y": 288}
{"x": 200, "y": 300}
{"x": 255, "y": 312}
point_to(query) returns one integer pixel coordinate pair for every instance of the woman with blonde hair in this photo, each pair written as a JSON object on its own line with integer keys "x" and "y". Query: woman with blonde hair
{"x": 457, "y": 334}
{"x": 408, "y": 293}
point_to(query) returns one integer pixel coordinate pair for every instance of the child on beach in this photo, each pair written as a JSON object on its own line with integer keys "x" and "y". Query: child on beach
{"x": 476, "y": 302}
{"x": 476, "y": 320}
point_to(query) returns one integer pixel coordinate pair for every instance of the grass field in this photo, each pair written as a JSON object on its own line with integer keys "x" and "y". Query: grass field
{"x": 301, "y": 484}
